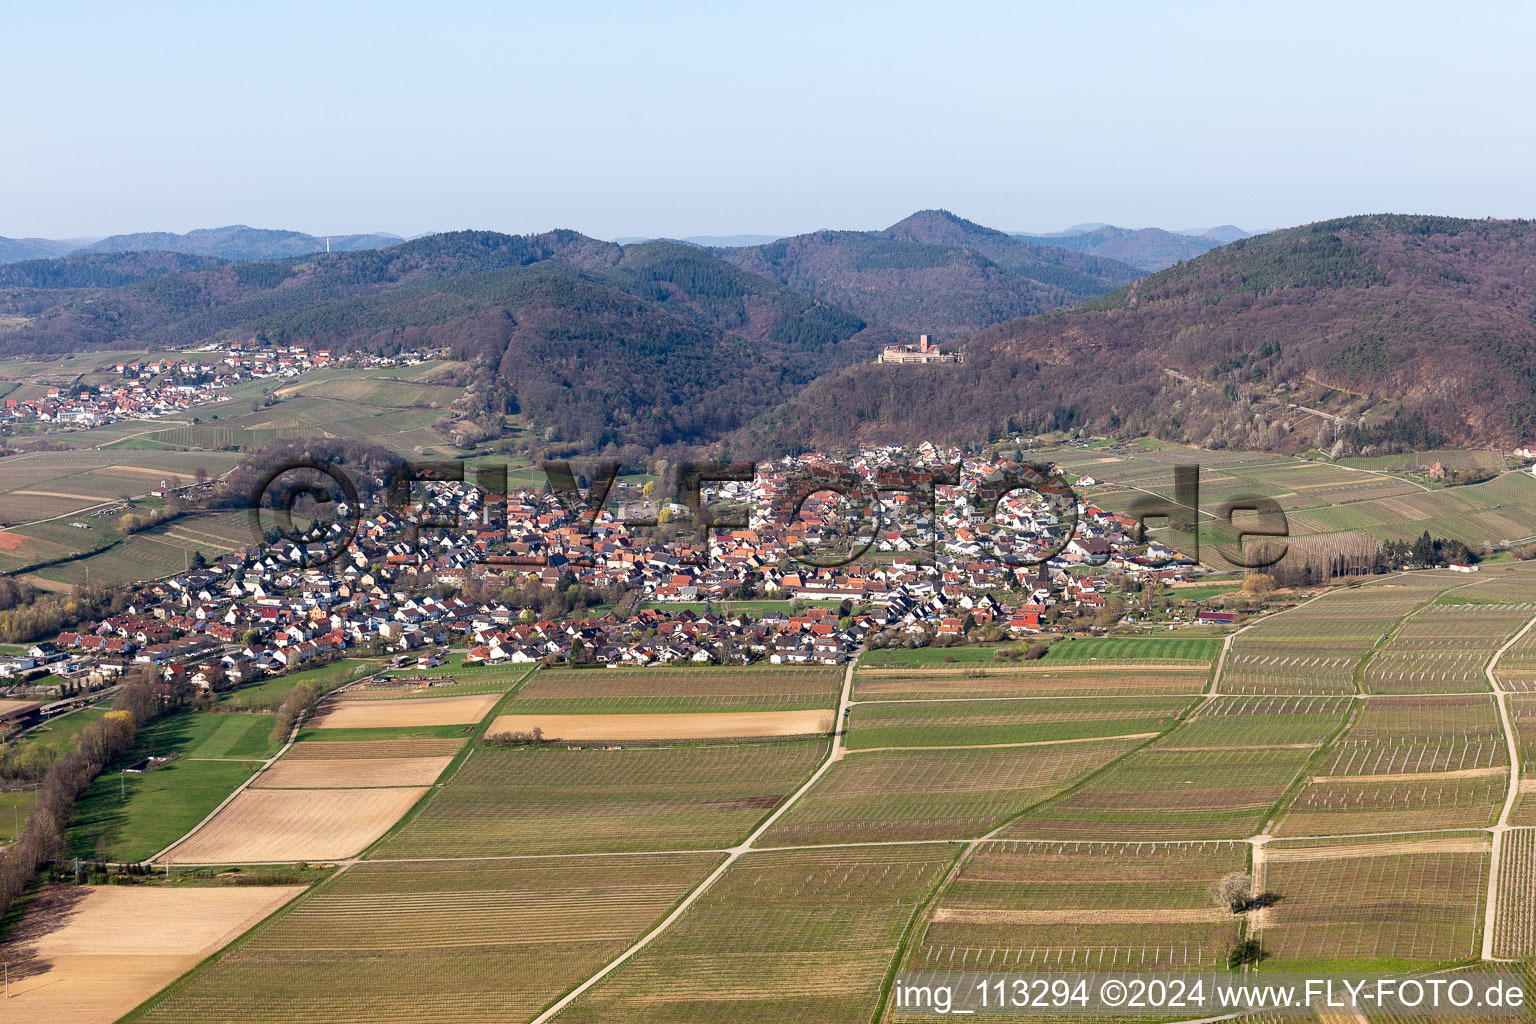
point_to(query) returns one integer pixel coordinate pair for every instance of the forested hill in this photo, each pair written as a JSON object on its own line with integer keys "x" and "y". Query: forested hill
{"x": 1145, "y": 248}
{"x": 238, "y": 242}
{"x": 933, "y": 272}
{"x": 1393, "y": 330}
{"x": 653, "y": 344}
{"x": 98, "y": 270}
{"x": 13, "y": 249}
{"x": 650, "y": 344}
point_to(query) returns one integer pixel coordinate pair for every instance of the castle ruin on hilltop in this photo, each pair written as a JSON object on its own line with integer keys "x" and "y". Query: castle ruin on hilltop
{"x": 925, "y": 351}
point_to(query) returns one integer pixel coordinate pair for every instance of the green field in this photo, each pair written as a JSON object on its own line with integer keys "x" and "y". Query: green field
{"x": 395, "y": 732}
{"x": 58, "y": 734}
{"x": 1126, "y": 648}
{"x": 269, "y": 693}
{"x": 195, "y": 734}
{"x": 136, "y": 816}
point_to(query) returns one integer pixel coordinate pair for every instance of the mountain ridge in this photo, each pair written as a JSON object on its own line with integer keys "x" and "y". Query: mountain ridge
{"x": 1416, "y": 329}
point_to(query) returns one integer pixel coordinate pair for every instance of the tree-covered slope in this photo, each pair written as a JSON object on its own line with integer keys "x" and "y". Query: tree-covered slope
{"x": 1416, "y": 328}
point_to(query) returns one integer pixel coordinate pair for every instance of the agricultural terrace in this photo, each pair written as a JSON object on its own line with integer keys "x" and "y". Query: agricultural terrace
{"x": 1375, "y": 901}
{"x": 1522, "y": 711}
{"x": 1293, "y": 483}
{"x": 89, "y": 954}
{"x": 44, "y": 485}
{"x": 1408, "y": 763}
{"x": 1411, "y": 462}
{"x": 804, "y": 935}
{"x": 910, "y": 723}
{"x": 1516, "y": 670}
{"x": 1524, "y": 812}
{"x": 1077, "y": 905}
{"x": 1169, "y": 791}
{"x": 1317, "y": 646}
{"x": 553, "y": 800}
{"x": 1498, "y": 510}
{"x": 104, "y": 556}
{"x": 1031, "y": 679}
{"x": 1514, "y": 933}
{"x": 477, "y": 941}
{"x": 1444, "y": 647}
{"x": 1251, "y": 722}
{"x": 1397, "y": 735}
{"x": 895, "y": 795}
{"x": 678, "y": 691}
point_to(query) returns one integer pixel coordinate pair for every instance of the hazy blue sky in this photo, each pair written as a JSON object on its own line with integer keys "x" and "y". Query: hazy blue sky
{"x": 677, "y": 119}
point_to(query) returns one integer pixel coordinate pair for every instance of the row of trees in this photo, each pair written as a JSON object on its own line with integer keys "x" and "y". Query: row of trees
{"x": 36, "y": 615}
{"x": 301, "y": 700}
{"x": 97, "y": 745}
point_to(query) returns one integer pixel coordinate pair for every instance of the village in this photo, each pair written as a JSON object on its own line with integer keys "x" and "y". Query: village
{"x": 521, "y": 578}
{"x": 158, "y": 389}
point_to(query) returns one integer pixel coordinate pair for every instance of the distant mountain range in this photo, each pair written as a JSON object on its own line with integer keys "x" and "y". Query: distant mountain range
{"x": 14, "y": 249}
{"x": 1144, "y": 248}
{"x": 708, "y": 241}
{"x": 599, "y": 344}
{"x": 236, "y": 242}
{"x": 1383, "y": 330}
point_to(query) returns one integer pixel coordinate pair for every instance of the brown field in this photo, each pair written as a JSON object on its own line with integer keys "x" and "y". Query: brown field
{"x": 1214, "y": 915}
{"x": 1297, "y": 854}
{"x": 59, "y": 494}
{"x": 668, "y": 727}
{"x": 88, "y": 955}
{"x": 352, "y": 772}
{"x": 324, "y": 751}
{"x": 384, "y": 714}
{"x": 7, "y": 706}
{"x": 263, "y": 825}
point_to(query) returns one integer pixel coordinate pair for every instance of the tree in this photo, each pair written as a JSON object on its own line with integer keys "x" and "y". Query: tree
{"x": 1110, "y": 613}
{"x": 1257, "y": 584}
{"x": 1233, "y": 891}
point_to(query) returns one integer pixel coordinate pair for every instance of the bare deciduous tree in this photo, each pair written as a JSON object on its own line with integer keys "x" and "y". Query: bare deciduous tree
{"x": 1233, "y": 891}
